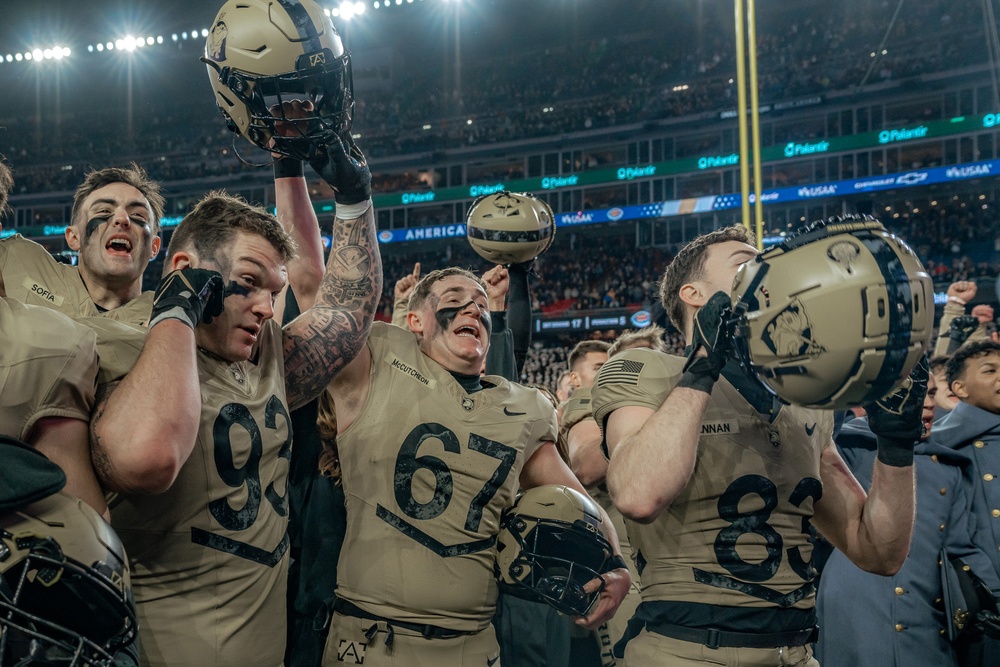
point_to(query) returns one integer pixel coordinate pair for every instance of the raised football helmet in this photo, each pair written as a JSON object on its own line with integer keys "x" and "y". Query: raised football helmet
{"x": 551, "y": 544}
{"x": 65, "y": 595}
{"x": 510, "y": 227}
{"x": 835, "y": 315}
{"x": 261, "y": 53}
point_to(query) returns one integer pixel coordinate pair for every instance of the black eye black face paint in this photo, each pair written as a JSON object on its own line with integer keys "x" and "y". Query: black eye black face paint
{"x": 446, "y": 316}
{"x": 94, "y": 223}
{"x": 235, "y": 288}
{"x": 91, "y": 227}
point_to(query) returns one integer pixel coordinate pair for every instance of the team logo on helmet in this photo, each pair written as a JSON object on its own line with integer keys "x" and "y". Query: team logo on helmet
{"x": 845, "y": 253}
{"x": 506, "y": 204}
{"x": 216, "y": 46}
{"x": 790, "y": 333}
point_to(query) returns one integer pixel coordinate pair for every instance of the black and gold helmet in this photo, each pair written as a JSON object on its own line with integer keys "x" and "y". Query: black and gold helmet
{"x": 65, "y": 594}
{"x": 510, "y": 227}
{"x": 551, "y": 544}
{"x": 260, "y": 53}
{"x": 835, "y": 315}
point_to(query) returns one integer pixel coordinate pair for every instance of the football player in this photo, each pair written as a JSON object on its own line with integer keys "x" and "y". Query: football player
{"x": 49, "y": 367}
{"x": 114, "y": 226}
{"x": 430, "y": 454}
{"x": 209, "y": 550}
{"x": 718, "y": 482}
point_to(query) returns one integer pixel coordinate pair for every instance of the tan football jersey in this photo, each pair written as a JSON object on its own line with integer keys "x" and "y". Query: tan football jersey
{"x": 209, "y": 556}
{"x": 736, "y": 535}
{"x": 48, "y": 367}
{"x": 575, "y": 409}
{"x": 31, "y": 275}
{"x": 427, "y": 470}
{"x": 118, "y": 347}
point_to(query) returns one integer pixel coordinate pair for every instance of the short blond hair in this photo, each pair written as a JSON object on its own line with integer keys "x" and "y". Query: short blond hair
{"x": 423, "y": 288}
{"x": 651, "y": 337}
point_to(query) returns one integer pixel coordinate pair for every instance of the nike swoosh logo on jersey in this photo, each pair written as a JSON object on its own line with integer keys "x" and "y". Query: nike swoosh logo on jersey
{"x": 490, "y": 663}
{"x": 511, "y": 414}
{"x": 810, "y": 429}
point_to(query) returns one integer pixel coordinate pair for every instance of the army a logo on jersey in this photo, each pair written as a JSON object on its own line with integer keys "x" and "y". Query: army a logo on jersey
{"x": 352, "y": 653}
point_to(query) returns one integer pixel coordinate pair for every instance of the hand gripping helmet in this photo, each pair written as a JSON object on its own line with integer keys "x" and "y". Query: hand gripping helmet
{"x": 835, "y": 315}
{"x": 551, "y": 543}
{"x": 510, "y": 227}
{"x": 65, "y": 595}
{"x": 263, "y": 52}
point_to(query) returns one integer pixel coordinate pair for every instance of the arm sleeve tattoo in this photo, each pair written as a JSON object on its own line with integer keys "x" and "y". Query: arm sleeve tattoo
{"x": 325, "y": 338}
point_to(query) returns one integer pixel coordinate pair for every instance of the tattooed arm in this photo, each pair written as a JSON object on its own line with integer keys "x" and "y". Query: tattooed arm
{"x": 325, "y": 338}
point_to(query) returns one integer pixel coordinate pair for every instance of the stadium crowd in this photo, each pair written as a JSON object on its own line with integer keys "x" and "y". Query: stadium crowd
{"x": 623, "y": 79}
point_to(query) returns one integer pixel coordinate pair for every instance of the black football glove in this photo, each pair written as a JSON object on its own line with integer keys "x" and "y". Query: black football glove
{"x": 343, "y": 166}
{"x": 896, "y": 419}
{"x": 712, "y": 331}
{"x": 959, "y": 331}
{"x": 189, "y": 295}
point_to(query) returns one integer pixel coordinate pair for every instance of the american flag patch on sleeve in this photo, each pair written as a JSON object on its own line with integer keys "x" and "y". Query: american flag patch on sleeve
{"x": 620, "y": 371}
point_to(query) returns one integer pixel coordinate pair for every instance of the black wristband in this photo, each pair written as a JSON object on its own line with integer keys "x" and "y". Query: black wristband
{"x": 617, "y": 562}
{"x": 288, "y": 167}
{"x": 700, "y": 374}
{"x": 895, "y": 453}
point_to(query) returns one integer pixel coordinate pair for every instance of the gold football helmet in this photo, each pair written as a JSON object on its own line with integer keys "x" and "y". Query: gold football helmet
{"x": 65, "y": 594}
{"x": 835, "y": 315}
{"x": 510, "y": 227}
{"x": 263, "y": 52}
{"x": 551, "y": 544}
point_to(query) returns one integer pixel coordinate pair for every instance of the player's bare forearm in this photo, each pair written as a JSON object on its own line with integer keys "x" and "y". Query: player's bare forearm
{"x": 651, "y": 466}
{"x": 66, "y": 442}
{"x": 143, "y": 430}
{"x": 872, "y": 530}
{"x": 325, "y": 338}
{"x": 297, "y": 216}
{"x": 585, "y": 457}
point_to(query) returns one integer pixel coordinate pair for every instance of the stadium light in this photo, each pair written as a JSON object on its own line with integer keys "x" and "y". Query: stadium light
{"x": 18, "y": 57}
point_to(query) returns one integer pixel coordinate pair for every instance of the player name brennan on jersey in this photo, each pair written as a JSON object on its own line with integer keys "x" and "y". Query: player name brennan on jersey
{"x": 735, "y": 536}
{"x": 427, "y": 470}
{"x": 48, "y": 366}
{"x": 209, "y": 556}
{"x": 32, "y": 276}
